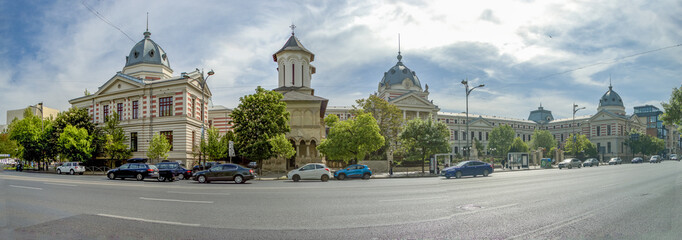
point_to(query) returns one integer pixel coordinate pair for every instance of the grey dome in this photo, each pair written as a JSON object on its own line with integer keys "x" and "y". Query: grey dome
{"x": 611, "y": 98}
{"x": 147, "y": 51}
{"x": 541, "y": 115}
{"x": 398, "y": 73}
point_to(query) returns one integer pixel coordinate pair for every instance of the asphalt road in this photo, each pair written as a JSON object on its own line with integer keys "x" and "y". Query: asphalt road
{"x": 641, "y": 201}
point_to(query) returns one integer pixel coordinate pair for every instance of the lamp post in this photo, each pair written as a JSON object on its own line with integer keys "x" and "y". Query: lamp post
{"x": 203, "y": 104}
{"x": 575, "y": 109}
{"x": 468, "y": 91}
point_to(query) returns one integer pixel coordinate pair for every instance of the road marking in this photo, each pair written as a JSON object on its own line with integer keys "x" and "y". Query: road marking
{"x": 204, "y": 193}
{"x": 61, "y": 184}
{"x": 174, "y": 200}
{"x": 34, "y": 188}
{"x": 409, "y": 199}
{"x": 555, "y": 226}
{"x": 149, "y": 220}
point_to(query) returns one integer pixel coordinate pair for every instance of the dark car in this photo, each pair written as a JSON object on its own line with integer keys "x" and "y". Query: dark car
{"x": 225, "y": 172}
{"x": 591, "y": 162}
{"x": 172, "y": 169}
{"x": 354, "y": 171}
{"x": 139, "y": 171}
{"x": 467, "y": 168}
{"x": 205, "y": 166}
{"x": 637, "y": 160}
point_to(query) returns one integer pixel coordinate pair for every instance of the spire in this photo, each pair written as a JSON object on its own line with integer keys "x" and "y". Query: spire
{"x": 400, "y": 57}
{"x": 292, "y": 28}
{"x": 610, "y": 82}
{"x": 146, "y": 32}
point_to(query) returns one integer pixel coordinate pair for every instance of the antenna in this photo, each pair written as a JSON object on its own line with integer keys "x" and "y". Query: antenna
{"x": 147, "y": 21}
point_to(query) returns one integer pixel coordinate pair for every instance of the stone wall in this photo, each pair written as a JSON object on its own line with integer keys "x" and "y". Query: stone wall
{"x": 378, "y": 166}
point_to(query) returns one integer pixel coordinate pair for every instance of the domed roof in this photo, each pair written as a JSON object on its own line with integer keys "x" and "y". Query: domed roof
{"x": 541, "y": 115}
{"x": 611, "y": 98}
{"x": 398, "y": 73}
{"x": 147, "y": 51}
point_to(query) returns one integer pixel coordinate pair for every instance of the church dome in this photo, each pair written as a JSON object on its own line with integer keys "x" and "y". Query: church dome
{"x": 611, "y": 98}
{"x": 147, "y": 51}
{"x": 397, "y": 75}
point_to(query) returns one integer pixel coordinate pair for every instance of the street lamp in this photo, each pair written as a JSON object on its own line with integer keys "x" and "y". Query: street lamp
{"x": 203, "y": 104}
{"x": 575, "y": 109}
{"x": 468, "y": 91}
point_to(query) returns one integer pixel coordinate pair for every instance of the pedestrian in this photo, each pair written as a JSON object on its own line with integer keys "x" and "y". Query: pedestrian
{"x": 390, "y": 170}
{"x": 504, "y": 164}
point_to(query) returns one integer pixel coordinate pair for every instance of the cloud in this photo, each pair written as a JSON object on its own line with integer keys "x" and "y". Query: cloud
{"x": 487, "y": 15}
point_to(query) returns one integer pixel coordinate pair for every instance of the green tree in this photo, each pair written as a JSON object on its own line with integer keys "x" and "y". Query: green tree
{"x": 8, "y": 146}
{"x": 258, "y": 118}
{"x": 518, "y": 146}
{"x": 76, "y": 144}
{"x": 352, "y": 139}
{"x": 158, "y": 147}
{"x": 115, "y": 146}
{"x": 281, "y": 147}
{"x": 79, "y": 118}
{"x": 581, "y": 147}
{"x": 389, "y": 119}
{"x": 225, "y": 141}
{"x": 213, "y": 147}
{"x": 542, "y": 139}
{"x": 673, "y": 109}
{"x": 478, "y": 145}
{"x": 501, "y": 139}
{"x": 28, "y": 134}
{"x": 645, "y": 144}
{"x": 422, "y": 138}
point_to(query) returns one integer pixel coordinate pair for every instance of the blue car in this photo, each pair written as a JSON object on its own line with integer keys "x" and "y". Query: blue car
{"x": 354, "y": 171}
{"x": 467, "y": 168}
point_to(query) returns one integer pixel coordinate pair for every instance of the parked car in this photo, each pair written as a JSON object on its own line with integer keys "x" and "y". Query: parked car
{"x": 139, "y": 171}
{"x": 205, "y": 166}
{"x": 225, "y": 172}
{"x": 467, "y": 168}
{"x": 71, "y": 168}
{"x": 655, "y": 159}
{"x": 591, "y": 162}
{"x": 637, "y": 160}
{"x": 354, "y": 171}
{"x": 615, "y": 161}
{"x": 674, "y": 157}
{"x": 310, "y": 171}
{"x": 172, "y": 169}
{"x": 570, "y": 163}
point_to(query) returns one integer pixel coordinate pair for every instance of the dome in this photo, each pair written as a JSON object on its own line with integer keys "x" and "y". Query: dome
{"x": 397, "y": 75}
{"x": 147, "y": 51}
{"x": 541, "y": 115}
{"x": 611, "y": 98}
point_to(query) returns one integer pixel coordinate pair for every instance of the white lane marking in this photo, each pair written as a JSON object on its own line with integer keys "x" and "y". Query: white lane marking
{"x": 203, "y": 193}
{"x": 174, "y": 200}
{"x": 34, "y": 188}
{"x": 552, "y": 227}
{"x": 409, "y": 199}
{"x": 149, "y": 220}
{"x": 61, "y": 184}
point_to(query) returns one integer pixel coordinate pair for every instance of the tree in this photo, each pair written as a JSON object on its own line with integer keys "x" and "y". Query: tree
{"x": 8, "y": 146}
{"x": 158, "y": 147}
{"x": 28, "y": 134}
{"x": 213, "y": 147}
{"x": 673, "y": 109}
{"x": 281, "y": 147}
{"x": 518, "y": 146}
{"x": 225, "y": 141}
{"x": 76, "y": 143}
{"x": 389, "y": 119}
{"x": 258, "y": 118}
{"x": 420, "y": 139}
{"x": 645, "y": 144}
{"x": 115, "y": 147}
{"x": 478, "y": 145}
{"x": 542, "y": 139}
{"x": 501, "y": 139}
{"x": 581, "y": 147}
{"x": 352, "y": 139}
{"x": 79, "y": 118}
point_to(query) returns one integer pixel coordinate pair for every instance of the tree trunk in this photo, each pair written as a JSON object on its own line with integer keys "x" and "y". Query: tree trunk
{"x": 423, "y": 162}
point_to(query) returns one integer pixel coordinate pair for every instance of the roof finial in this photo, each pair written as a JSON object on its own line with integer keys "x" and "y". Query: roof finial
{"x": 400, "y": 57}
{"x": 147, "y": 22}
{"x": 292, "y": 28}
{"x": 146, "y": 32}
{"x": 610, "y": 86}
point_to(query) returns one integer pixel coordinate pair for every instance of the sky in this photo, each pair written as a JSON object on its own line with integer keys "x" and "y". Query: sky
{"x": 527, "y": 53}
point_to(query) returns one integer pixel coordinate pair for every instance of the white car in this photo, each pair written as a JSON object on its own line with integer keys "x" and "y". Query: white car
{"x": 311, "y": 171}
{"x": 674, "y": 157}
{"x": 71, "y": 168}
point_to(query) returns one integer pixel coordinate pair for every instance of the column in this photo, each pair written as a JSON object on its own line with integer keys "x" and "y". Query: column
{"x": 404, "y": 115}
{"x": 417, "y": 114}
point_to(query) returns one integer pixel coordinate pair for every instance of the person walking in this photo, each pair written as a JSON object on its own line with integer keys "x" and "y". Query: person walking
{"x": 390, "y": 169}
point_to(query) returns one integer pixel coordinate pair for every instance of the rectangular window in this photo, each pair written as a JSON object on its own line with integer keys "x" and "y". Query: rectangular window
{"x": 598, "y": 130}
{"x": 480, "y": 136}
{"x": 464, "y": 135}
{"x": 608, "y": 146}
{"x": 119, "y": 111}
{"x": 292, "y": 74}
{"x": 192, "y": 112}
{"x": 456, "y": 136}
{"x": 562, "y": 137}
{"x": 165, "y": 106}
{"x": 486, "y": 136}
{"x": 135, "y": 109}
{"x": 105, "y": 109}
{"x": 193, "y": 140}
{"x": 169, "y": 136}
{"x": 472, "y": 135}
{"x": 133, "y": 142}
{"x": 608, "y": 130}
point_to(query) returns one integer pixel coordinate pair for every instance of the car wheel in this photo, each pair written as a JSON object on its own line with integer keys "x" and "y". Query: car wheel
{"x": 238, "y": 179}
{"x": 458, "y": 175}
{"x": 72, "y": 172}
{"x": 342, "y": 176}
{"x": 161, "y": 179}
{"x": 325, "y": 178}
{"x": 366, "y": 176}
{"x": 139, "y": 177}
{"x": 59, "y": 171}
{"x": 181, "y": 177}
{"x": 559, "y": 167}
{"x": 296, "y": 178}
{"x": 579, "y": 166}
{"x": 111, "y": 176}
{"x": 485, "y": 173}
{"x": 570, "y": 166}
{"x": 80, "y": 173}
{"x": 202, "y": 179}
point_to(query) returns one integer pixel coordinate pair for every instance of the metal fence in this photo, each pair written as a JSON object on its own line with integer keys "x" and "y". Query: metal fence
{"x": 96, "y": 170}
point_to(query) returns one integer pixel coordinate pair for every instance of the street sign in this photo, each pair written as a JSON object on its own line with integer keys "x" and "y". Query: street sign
{"x": 231, "y": 149}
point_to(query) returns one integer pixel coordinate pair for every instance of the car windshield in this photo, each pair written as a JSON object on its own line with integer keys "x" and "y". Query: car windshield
{"x": 461, "y": 164}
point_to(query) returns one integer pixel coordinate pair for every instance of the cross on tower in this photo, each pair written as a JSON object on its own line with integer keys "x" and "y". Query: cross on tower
{"x": 292, "y": 28}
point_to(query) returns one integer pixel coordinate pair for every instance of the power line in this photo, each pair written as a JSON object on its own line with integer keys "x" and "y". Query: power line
{"x": 93, "y": 11}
